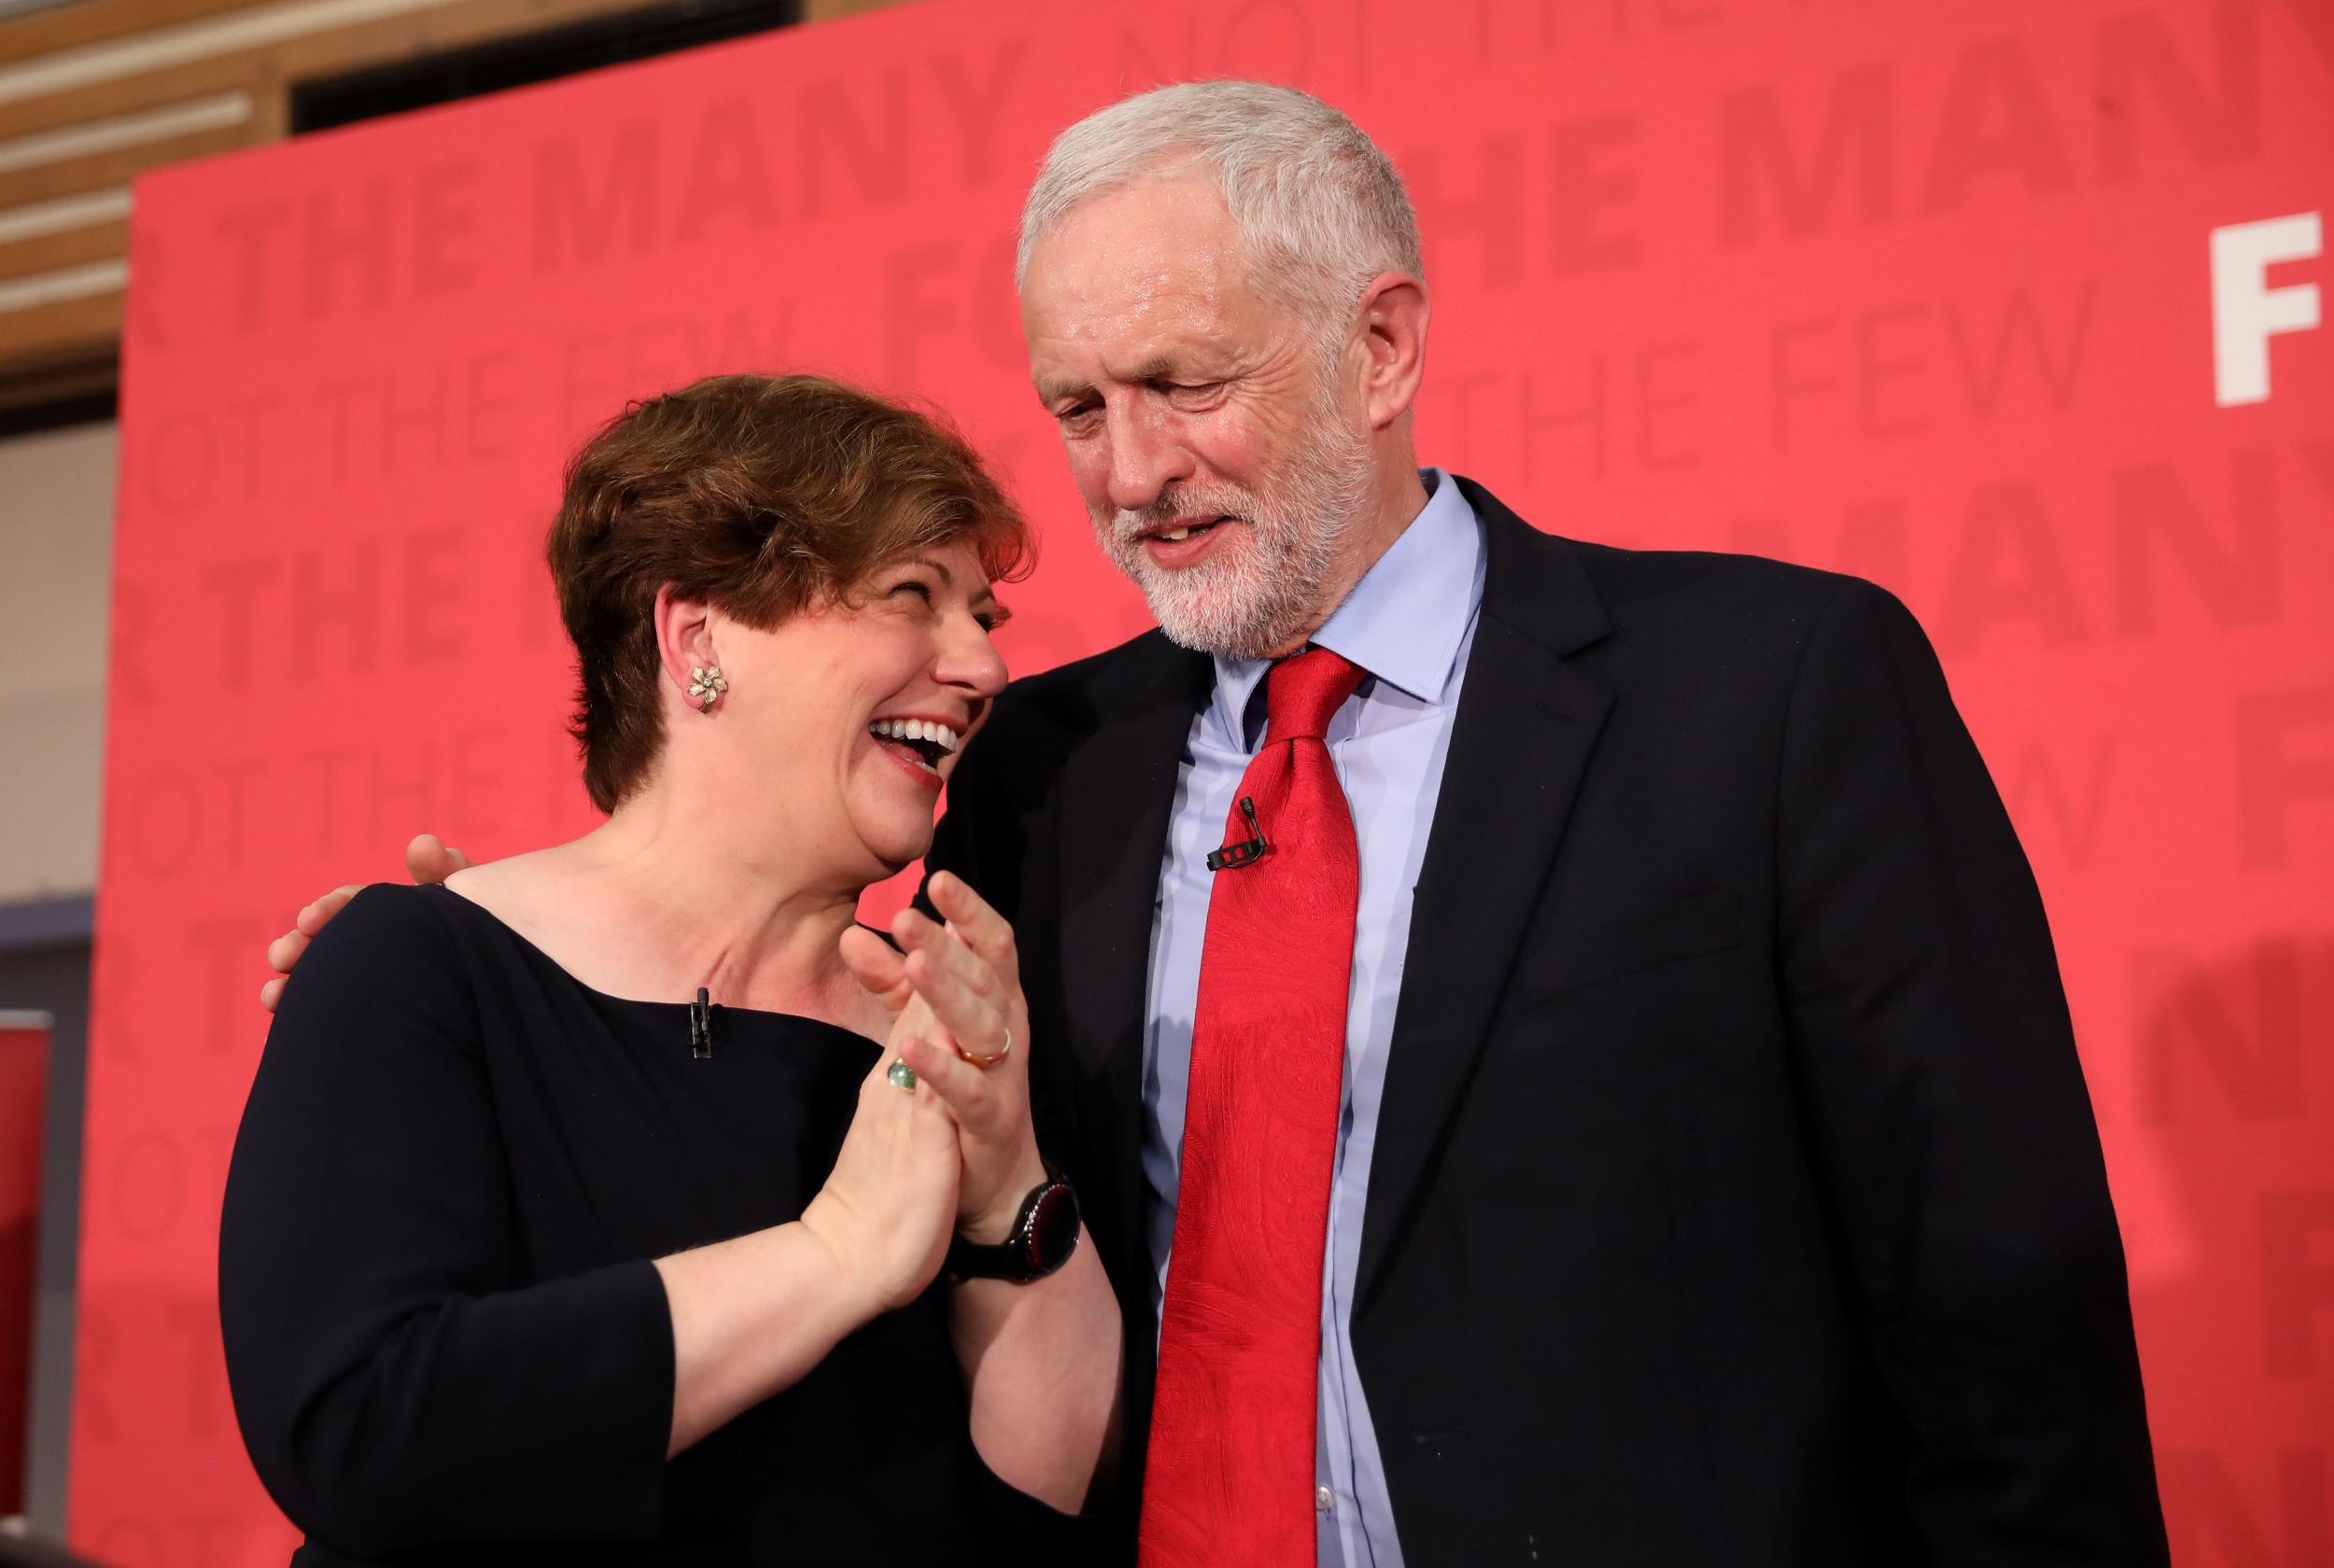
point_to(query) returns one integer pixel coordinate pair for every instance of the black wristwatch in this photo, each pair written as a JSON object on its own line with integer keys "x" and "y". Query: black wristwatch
{"x": 1045, "y": 1234}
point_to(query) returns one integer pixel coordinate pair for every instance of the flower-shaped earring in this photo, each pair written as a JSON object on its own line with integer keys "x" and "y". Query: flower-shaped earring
{"x": 706, "y": 685}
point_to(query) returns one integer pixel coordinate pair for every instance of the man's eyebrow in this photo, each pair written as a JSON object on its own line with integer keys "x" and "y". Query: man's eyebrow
{"x": 1157, "y": 368}
{"x": 947, "y": 578}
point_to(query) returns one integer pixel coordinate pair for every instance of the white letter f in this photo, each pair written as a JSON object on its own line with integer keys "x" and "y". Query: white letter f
{"x": 2246, "y": 313}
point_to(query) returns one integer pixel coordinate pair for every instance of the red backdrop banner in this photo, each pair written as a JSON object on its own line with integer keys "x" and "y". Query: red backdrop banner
{"x": 2014, "y": 308}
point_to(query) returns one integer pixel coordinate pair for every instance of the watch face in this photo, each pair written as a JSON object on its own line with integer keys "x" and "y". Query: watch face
{"x": 1053, "y": 1227}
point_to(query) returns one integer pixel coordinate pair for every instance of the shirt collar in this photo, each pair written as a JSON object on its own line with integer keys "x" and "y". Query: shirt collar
{"x": 1404, "y": 621}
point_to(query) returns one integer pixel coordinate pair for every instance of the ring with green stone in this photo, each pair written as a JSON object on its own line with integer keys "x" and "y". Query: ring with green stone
{"x": 902, "y": 1075}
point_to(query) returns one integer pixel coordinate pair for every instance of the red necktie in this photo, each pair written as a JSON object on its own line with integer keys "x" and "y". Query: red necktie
{"x": 1230, "y": 1473}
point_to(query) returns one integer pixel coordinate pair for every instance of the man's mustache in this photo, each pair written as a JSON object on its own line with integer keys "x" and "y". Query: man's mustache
{"x": 1129, "y": 525}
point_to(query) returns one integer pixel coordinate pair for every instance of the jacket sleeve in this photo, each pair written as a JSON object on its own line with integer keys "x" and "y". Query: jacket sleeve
{"x": 978, "y": 839}
{"x": 1951, "y": 1128}
{"x": 967, "y": 838}
{"x": 397, "y": 1384}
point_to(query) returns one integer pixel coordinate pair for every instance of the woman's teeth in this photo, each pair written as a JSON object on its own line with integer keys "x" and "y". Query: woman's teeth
{"x": 924, "y": 730}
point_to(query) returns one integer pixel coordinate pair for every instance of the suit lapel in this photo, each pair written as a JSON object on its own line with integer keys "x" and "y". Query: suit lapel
{"x": 1118, "y": 792}
{"x": 1520, "y": 743}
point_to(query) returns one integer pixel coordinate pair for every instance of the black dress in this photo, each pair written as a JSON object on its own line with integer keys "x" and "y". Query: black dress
{"x": 444, "y": 1335}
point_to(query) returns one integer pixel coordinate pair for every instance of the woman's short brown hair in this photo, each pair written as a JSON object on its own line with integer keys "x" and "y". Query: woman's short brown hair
{"x": 758, "y": 496}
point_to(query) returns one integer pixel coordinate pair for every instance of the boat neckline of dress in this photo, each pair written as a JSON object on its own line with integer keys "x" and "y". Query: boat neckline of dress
{"x": 537, "y": 953}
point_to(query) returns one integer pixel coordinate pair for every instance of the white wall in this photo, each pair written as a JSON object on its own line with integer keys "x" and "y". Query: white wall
{"x": 56, "y": 543}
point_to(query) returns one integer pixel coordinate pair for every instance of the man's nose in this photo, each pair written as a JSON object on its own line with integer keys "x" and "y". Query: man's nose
{"x": 1143, "y": 459}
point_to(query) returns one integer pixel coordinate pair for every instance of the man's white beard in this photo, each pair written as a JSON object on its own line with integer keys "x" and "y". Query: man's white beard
{"x": 1246, "y": 599}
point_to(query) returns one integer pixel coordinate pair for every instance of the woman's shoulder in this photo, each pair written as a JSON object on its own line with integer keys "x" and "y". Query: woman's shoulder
{"x": 391, "y": 940}
{"x": 394, "y": 913}
{"x": 526, "y": 894}
{"x": 531, "y": 904}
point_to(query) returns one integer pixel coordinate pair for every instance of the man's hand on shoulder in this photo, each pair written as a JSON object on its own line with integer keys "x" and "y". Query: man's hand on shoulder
{"x": 427, "y": 860}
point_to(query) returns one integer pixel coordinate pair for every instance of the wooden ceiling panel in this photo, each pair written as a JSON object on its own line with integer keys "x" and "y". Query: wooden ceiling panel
{"x": 129, "y": 95}
{"x": 96, "y": 92}
{"x": 95, "y": 22}
{"x": 66, "y": 333}
{"x": 67, "y": 247}
{"x": 117, "y": 166}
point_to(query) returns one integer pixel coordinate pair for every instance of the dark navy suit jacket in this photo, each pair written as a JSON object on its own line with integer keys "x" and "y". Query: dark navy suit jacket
{"x": 1737, "y": 1198}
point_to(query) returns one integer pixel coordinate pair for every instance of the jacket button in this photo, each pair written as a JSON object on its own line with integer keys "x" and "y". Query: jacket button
{"x": 1322, "y": 1499}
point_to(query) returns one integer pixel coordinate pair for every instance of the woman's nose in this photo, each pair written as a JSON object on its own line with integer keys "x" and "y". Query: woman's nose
{"x": 972, "y": 661}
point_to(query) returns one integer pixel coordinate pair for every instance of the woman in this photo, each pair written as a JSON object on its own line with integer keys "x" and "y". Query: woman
{"x": 577, "y": 1214}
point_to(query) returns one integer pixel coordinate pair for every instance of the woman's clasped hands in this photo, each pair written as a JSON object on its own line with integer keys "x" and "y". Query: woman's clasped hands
{"x": 952, "y": 1151}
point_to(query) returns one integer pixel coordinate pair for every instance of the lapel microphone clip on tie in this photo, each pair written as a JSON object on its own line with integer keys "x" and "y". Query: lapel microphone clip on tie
{"x": 1231, "y": 856}
{"x": 701, "y": 1024}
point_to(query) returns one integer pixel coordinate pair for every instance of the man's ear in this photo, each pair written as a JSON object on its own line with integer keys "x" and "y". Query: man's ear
{"x": 684, "y": 638}
{"x": 1394, "y": 314}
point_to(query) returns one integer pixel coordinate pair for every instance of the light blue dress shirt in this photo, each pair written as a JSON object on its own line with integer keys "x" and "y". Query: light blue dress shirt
{"x": 1409, "y": 622}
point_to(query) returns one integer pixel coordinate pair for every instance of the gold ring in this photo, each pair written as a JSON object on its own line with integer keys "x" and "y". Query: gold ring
{"x": 985, "y": 1063}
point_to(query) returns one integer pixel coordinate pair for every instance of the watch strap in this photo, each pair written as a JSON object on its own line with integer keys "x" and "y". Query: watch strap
{"x": 1016, "y": 1258}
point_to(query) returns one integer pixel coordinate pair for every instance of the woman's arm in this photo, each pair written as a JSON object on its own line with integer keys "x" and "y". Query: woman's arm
{"x": 1042, "y": 1361}
{"x": 396, "y": 1383}
{"x": 754, "y": 1315}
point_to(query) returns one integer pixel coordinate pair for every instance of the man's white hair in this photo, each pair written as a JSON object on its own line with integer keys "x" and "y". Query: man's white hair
{"x": 1319, "y": 206}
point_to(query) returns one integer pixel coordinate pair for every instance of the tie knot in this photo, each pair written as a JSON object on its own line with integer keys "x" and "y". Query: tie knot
{"x": 1301, "y": 692}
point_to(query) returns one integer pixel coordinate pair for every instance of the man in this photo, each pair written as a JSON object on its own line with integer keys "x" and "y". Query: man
{"x": 1559, "y": 1047}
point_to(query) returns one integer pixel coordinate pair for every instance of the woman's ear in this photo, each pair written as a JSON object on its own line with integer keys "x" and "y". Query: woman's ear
{"x": 685, "y": 648}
